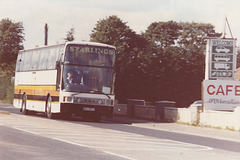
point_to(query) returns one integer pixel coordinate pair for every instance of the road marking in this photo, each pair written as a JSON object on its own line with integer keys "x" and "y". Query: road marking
{"x": 115, "y": 143}
{"x": 73, "y": 143}
{"x": 109, "y": 141}
{"x": 118, "y": 155}
{"x": 24, "y": 130}
{"x": 81, "y": 145}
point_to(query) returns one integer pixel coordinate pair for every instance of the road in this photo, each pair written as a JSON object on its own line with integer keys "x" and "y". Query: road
{"x": 36, "y": 137}
{"x": 22, "y": 145}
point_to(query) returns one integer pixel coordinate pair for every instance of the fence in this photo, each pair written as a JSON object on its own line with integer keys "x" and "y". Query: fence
{"x": 165, "y": 111}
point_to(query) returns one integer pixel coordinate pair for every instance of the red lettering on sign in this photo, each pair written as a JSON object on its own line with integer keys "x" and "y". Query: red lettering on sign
{"x": 237, "y": 90}
{"x": 228, "y": 89}
{"x": 220, "y": 90}
{"x": 224, "y": 90}
{"x": 208, "y": 89}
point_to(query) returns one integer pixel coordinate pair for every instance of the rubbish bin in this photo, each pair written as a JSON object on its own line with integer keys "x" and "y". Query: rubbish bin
{"x": 131, "y": 104}
{"x": 160, "y": 106}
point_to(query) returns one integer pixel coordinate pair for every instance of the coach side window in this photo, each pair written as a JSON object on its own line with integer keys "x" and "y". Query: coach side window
{"x": 52, "y": 59}
{"x": 43, "y": 59}
{"x": 35, "y": 60}
{"x": 27, "y": 61}
{"x": 57, "y": 50}
{"x": 60, "y": 56}
{"x": 19, "y": 61}
{"x": 22, "y": 62}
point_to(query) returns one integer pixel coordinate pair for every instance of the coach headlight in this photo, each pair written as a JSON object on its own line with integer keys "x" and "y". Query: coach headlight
{"x": 100, "y": 101}
{"x": 77, "y": 100}
{"x": 68, "y": 99}
{"x": 108, "y": 102}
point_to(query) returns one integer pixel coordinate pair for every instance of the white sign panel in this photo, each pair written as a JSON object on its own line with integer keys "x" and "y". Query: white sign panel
{"x": 221, "y": 94}
{"x": 222, "y": 58}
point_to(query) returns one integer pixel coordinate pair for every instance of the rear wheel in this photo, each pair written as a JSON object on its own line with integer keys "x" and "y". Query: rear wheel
{"x": 24, "y": 105}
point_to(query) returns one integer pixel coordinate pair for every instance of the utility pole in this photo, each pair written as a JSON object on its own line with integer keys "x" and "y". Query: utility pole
{"x": 46, "y": 35}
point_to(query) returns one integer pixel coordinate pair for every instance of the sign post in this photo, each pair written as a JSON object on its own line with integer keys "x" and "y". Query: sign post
{"x": 221, "y": 59}
{"x": 220, "y": 89}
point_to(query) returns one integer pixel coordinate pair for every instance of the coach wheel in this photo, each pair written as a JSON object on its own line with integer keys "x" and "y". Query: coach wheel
{"x": 48, "y": 110}
{"x": 24, "y": 105}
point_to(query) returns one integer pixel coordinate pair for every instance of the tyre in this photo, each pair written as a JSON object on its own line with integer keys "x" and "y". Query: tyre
{"x": 24, "y": 105}
{"x": 48, "y": 109}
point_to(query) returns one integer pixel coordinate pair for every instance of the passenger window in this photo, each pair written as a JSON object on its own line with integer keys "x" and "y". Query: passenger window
{"x": 27, "y": 61}
{"x": 61, "y": 50}
{"x": 19, "y": 61}
{"x": 35, "y": 60}
{"x": 52, "y": 59}
{"x": 43, "y": 59}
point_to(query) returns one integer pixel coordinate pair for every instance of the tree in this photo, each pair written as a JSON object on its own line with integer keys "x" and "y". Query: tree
{"x": 130, "y": 50}
{"x": 164, "y": 63}
{"x": 70, "y": 35}
{"x": 193, "y": 34}
{"x": 114, "y": 31}
{"x": 163, "y": 34}
{"x": 177, "y": 67}
{"x": 11, "y": 40}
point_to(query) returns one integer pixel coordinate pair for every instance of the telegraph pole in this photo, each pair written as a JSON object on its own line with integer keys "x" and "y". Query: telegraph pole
{"x": 46, "y": 35}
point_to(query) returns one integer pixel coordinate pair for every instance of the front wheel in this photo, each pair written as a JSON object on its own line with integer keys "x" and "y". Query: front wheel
{"x": 48, "y": 109}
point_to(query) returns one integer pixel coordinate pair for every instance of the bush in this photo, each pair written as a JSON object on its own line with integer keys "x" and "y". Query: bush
{"x": 6, "y": 87}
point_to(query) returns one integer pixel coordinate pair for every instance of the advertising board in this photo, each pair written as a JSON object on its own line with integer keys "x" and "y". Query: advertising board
{"x": 221, "y": 55}
{"x": 221, "y": 94}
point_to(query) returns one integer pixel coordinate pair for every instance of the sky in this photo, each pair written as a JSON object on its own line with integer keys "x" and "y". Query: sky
{"x": 83, "y": 15}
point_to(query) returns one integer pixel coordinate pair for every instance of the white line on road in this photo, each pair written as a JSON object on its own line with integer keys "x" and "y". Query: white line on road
{"x": 118, "y": 155}
{"x": 81, "y": 145}
{"x": 163, "y": 144}
{"x": 73, "y": 143}
{"x": 20, "y": 129}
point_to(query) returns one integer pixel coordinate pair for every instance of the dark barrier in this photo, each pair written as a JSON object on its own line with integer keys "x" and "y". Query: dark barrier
{"x": 160, "y": 106}
{"x": 131, "y": 104}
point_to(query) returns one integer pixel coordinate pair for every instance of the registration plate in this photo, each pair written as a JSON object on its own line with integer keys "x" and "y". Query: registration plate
{"x": 88, "y": 109}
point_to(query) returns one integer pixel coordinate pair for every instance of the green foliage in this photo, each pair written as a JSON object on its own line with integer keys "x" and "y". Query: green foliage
{"x": 6, "y": 87}
{"x": 11, "y": 39}
{"x": 130, "y": 53}
{"x": 178, "y": 67}
{"x": 163, "y": 34}
{"x": 70, "y": 35}
{"x": 115, "y": 32}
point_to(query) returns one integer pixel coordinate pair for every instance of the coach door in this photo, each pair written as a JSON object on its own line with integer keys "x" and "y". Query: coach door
{"x": 34, "y": 69}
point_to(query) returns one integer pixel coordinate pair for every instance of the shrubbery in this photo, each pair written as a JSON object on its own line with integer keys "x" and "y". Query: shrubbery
{"x": 11, "y": 38}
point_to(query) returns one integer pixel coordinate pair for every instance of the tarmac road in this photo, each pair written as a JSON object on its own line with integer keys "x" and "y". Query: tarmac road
{"x": 20, "y": 145}
{"x": 119, "y": 138}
